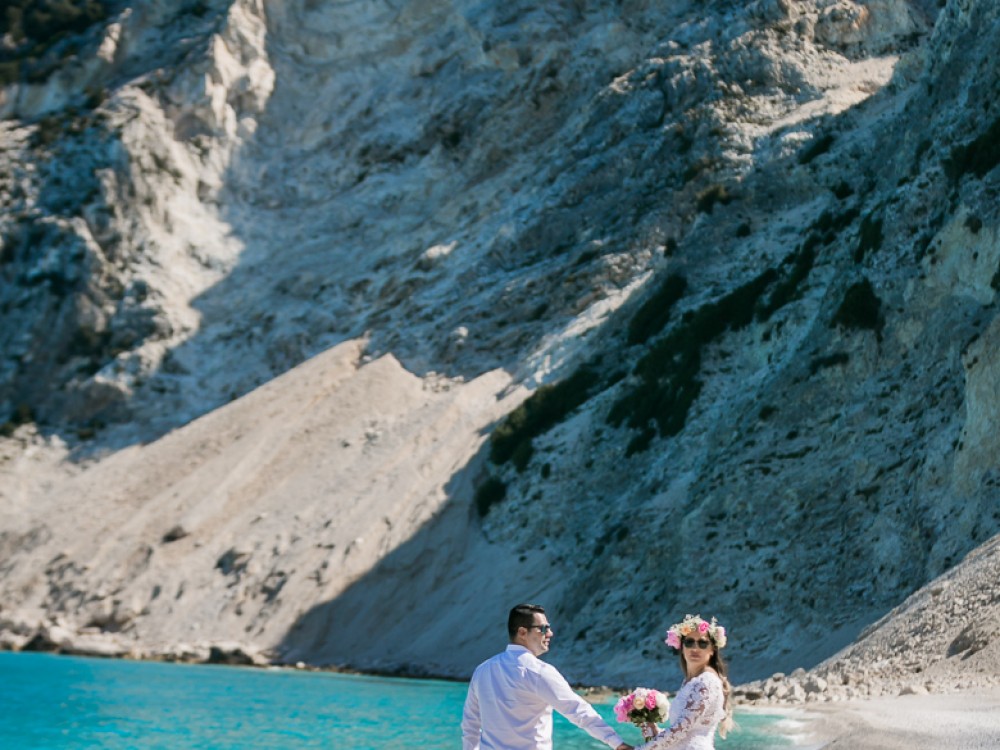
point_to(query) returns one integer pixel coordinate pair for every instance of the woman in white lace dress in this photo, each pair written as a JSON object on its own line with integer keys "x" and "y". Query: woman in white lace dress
{"x": 703, "y": 704}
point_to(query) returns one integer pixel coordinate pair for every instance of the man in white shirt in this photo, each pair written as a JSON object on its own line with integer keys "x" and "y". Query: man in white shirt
{"x": 511, "y": 696}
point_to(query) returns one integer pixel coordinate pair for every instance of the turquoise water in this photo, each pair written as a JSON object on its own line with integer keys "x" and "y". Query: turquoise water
{"x": 61, "y": 702}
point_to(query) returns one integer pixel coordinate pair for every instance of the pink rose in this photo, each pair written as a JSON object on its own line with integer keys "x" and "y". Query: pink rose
{"x": 673, "y": 640}
{"x": 702, "y": 627}
{"x": 621, "y": 713}
{"x": 650, "y": 699}
{"x": 720, "y": 633}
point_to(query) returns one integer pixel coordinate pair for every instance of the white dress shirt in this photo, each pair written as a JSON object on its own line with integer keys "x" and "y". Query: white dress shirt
{"x": 510, "y": 702}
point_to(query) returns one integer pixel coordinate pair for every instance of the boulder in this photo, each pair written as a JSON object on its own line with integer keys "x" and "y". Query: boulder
{"x": 230, "y": 652}
{"x": 815, "y": 685}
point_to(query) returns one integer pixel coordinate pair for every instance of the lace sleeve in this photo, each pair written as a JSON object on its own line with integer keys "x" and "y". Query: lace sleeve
{"x": 694, "y": 714}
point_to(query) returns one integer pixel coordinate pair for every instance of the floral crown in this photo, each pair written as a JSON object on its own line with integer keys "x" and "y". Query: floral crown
{"x": 693, "y": 625}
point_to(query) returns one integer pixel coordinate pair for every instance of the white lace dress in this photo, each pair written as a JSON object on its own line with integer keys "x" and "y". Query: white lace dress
{"x": 694, "y": 716}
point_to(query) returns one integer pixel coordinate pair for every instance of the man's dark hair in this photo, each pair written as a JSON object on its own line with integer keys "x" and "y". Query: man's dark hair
{"x": 522, "y": 616}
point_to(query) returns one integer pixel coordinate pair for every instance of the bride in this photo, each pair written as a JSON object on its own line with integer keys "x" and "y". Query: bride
{"x": 703, "y": 703}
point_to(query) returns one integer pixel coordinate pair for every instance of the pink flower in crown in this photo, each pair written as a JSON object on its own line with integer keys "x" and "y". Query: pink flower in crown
{"x": 720, "y": 634}
{"x": 673, "y": 640}
{"x": 703, "y": 627}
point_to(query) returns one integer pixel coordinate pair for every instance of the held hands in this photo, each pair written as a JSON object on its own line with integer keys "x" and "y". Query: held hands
{"x": 649, "y": 730}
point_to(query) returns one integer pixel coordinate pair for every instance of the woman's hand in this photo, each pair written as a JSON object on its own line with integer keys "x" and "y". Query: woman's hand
{"x": 649, "y": 730}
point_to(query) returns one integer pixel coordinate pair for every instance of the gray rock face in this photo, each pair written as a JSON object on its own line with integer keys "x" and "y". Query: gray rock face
{"x": 943, "y": 638}
{"x": 794, "y": 439}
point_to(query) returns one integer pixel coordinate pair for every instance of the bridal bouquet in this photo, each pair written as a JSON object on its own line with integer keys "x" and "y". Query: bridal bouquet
{"x": 643, "y": 706}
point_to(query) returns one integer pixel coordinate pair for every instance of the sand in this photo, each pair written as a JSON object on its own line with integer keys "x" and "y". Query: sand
{"x": 969, "y": 720}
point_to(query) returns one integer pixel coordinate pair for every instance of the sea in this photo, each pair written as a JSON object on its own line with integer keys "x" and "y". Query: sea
{"x": 52, "y": 702}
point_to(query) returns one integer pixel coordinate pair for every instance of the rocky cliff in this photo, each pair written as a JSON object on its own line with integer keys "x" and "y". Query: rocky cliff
{"x": 336, "y": 329}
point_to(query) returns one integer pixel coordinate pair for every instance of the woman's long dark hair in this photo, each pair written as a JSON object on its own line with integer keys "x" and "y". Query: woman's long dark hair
{"x": 717, "y": 663}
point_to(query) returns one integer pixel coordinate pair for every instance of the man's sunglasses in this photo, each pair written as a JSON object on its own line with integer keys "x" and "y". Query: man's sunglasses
{"x": 700, "y": 643}
{"x": 543, "y": 629}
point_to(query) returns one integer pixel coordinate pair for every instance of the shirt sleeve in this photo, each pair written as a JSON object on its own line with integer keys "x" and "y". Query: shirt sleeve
{"x": 694, "y": 714}
{"x": 471, "y": 721}
{"x": 554, "y": 689}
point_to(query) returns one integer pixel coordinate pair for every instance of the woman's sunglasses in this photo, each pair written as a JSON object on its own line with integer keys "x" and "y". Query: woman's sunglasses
{"x": 700, "y": 643}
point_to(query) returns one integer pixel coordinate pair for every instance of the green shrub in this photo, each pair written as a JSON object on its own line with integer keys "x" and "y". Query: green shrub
{"x": 490, "y": 493}
{"x": 918, "y": 155}
{"x": 697, "y": 167}
{"x": 869, "y": 237}
{"x": 12, "y": 19}
{"x": 861, "y": 308}
{"x": 23, "y": 414}
{"x": 831, "y": 360}
{"x": 46, "y": 19}
{"x": 48, "y": 130}
{"x": 664, "y": 396}
{"x": 522, "y": 453}
{"x": 615, "y": 534}
{"x": 654, "y": 313}
{"x": 541, "y": 411}
{"x": 707, "y": 198}
{"x": 197, "y": 8}
{"x": 668, "y": 373}
{"x": 830, "y": 222}
{"x": 735, "y": 310}
{"x": 786, "y": 290}
{"x": 818, "y": 147}
{"x": 843, "y": 190}
{"x": 538, "y": 312}
{"x": 977, "y": 157}
{"x": 35, "y": 26}
{"x": 640, "y": 442}
{"x": 10, "y": 72}
{"x": 96, "y": 96}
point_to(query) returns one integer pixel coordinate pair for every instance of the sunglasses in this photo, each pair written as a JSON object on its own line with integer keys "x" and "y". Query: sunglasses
{"x": 700, "y": 643}
{"x": 543, "y": 629}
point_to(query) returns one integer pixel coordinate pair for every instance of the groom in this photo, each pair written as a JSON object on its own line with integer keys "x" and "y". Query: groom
{"x": 511, "y": 696}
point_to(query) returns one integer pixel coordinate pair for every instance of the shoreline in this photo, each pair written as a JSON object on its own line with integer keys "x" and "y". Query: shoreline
{"x": 967, "y": 719}
{"x": 964, "y": 720}
{"x": 237, "y": 655}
